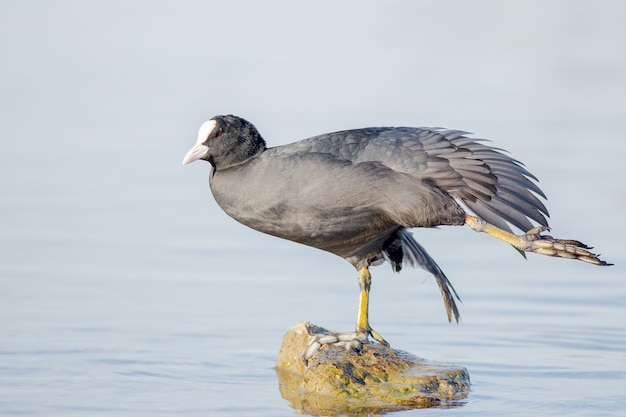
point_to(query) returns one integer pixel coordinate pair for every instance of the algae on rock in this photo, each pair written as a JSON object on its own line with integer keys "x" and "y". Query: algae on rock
{"x": 378, "y": 379}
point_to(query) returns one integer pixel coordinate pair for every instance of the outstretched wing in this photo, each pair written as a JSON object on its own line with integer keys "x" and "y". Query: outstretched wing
{"x": 488, "y": 181}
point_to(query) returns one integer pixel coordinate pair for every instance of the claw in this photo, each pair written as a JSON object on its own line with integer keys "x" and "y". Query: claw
{"x": 537, "y": 230}
{"x": 377, "y": 337}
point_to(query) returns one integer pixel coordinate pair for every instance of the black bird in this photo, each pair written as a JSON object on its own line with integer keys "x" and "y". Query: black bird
{"x": 355, "y": 193}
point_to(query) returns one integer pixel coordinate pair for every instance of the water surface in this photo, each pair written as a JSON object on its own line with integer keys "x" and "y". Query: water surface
{"x": 124, "y": 290}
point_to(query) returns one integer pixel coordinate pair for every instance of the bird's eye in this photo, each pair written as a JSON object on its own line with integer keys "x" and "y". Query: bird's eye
{"x": 218, "y": 134}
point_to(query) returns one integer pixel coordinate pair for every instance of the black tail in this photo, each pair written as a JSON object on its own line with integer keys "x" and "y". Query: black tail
{"x": 401, "y": 246}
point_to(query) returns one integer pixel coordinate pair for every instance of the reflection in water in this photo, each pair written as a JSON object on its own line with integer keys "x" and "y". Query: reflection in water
{"x": 310, "y": 403}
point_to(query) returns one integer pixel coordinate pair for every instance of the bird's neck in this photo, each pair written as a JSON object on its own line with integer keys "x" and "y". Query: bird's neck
{"x": 244, "y": 153}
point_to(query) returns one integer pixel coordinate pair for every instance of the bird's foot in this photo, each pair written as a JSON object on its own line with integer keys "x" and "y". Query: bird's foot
{"x": 350, "y": 341}
{"x": 534, "y": 241}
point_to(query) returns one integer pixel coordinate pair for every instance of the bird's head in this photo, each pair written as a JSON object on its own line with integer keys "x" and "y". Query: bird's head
{"x": 225, "y": 141}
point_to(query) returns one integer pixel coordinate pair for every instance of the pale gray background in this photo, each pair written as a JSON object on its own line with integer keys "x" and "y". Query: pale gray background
{"x": 124, "y": 290}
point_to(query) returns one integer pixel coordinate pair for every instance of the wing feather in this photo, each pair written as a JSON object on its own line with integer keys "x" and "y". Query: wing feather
{"x": 485, "y": 178}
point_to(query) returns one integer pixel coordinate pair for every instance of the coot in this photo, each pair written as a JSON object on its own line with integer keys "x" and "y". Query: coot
{"x": 355, "y": 193}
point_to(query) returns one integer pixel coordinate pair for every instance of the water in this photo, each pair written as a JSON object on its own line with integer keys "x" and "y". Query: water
{"x": 124, "y": 290}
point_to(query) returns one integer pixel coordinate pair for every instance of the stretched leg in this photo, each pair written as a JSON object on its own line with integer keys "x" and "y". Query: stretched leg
{"x": 351, "y": 340}
{"x": 533, "y": 241}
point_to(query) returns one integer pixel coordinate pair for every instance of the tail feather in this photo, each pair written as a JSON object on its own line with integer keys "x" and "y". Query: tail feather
{"x": 415, "y": 255}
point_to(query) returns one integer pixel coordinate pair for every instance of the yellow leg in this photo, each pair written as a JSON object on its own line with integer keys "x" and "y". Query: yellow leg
{"x": 362, "y": 322}
{"x": 365, "y": 281}
{"x": 533, "y": 241}
{"x": 479, "y": 225}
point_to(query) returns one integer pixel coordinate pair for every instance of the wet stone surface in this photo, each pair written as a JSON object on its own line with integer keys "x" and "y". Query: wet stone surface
{"x": 376, "y": 379}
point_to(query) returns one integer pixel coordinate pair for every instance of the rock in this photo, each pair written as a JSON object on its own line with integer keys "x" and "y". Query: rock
{"x": 376, "y": 380}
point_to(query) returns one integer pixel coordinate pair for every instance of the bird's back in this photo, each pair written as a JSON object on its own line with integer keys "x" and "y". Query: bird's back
{"x": 487, "y": 180}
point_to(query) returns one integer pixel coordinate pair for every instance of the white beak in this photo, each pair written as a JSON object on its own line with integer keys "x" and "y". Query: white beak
{"x": 195, "y": 153}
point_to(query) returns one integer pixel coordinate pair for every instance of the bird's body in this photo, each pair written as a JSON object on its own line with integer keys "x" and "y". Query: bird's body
{"x": 327, "y": 210}
{"x": 355, "y": 193}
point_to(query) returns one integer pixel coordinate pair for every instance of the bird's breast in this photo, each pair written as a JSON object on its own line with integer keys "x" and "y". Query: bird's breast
{"x": 315, "y": 210}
